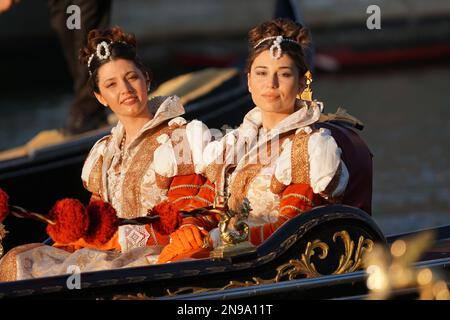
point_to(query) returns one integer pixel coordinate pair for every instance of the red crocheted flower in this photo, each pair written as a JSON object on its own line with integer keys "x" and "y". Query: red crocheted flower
{"x": 71, "y": 220}
{"x": 4, "y": 207}
{"x": 103, "y": 222}
{"x": 169, "y": 218}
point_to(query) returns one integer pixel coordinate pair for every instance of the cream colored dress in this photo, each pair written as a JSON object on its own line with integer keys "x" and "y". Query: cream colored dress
{"x": 133, "y": 181}
{"x": 258, "y": 164}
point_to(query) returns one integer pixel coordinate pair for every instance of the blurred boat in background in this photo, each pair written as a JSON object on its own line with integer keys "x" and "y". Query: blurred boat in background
{"x": 202, "y": 33}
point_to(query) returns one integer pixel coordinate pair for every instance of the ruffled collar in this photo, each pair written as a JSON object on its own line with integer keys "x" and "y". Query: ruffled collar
{"x": 162, "y": 107}
{"x": 249, "y": 133}
{"x": 307, "y": 114}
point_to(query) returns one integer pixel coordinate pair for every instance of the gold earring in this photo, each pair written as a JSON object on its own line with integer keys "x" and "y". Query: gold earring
{"x": 307, "y": 93}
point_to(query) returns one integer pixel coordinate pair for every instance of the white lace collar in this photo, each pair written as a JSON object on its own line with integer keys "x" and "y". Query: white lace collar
{"x": 306, "y": 115}
{"x": 169, "y": 108}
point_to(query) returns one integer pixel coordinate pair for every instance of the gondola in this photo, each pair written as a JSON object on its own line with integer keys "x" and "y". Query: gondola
{"x": 317, "y": 255}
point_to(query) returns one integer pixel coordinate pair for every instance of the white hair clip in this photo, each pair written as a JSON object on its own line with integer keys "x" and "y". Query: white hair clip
{"x": 105, "y": 47}
{"x": 101, "y": 56}
{"x": 89, "y": 64}
{"x": 275, "y": 48}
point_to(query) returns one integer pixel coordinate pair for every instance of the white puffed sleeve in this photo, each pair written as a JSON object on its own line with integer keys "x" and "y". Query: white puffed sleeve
{"x": 213, "y": 152}
{"x": 217, "y": 151}
{"x": 178, "y": 121}
{"x": 324, "y": 161}
{"x": 164, "y": 159}
{"x": 343, "y": 180}
{"x": 283, "y": 167}
{"x": 198, "y": 136}
{"x": 97, "y": 151}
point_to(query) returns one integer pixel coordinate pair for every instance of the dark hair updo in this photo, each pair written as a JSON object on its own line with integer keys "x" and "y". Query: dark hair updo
{"x": 121, "y": 45}
{"x": 280, "y": 27}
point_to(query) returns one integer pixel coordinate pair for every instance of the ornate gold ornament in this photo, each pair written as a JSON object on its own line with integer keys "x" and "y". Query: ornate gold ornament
{"x": 231, "y": 285}
{"x": 241, "y": 229}
{"x": 304, "y": 267}
{"x": 235, "y": 241}
{"x": 294, "y": 268}
{"x": 307, "y": 92}
{"x": 345, "y": 262}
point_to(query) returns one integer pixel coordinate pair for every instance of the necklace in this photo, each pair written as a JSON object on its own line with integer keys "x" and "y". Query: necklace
{"x": 117, "y": 167}
{"x": 122, "y": 146}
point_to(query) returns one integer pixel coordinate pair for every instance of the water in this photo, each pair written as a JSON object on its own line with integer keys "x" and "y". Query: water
{"x": 407, "y": 126}
{"x": 407, "y": 118}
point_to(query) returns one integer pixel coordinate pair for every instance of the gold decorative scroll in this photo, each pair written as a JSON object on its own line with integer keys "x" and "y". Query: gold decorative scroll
{"x": 345, "y": 262}
{"x": 303, "y": 267}
{"x": 295, "y": 268}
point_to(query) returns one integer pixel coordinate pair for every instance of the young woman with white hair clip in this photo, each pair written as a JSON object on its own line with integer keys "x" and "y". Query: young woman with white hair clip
{"x": 152, "y": 157}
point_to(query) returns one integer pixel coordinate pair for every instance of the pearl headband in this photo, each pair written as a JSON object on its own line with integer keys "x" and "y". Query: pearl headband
{"x": 275, "y": 48}
{"x": 101, "y": 56}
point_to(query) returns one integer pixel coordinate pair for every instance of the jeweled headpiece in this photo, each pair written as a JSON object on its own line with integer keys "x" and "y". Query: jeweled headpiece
{"x": 102, "y": 53}
{"x": 275, "y": 48}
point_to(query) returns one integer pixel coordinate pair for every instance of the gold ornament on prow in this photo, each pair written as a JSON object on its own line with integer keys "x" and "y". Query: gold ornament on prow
{"x": 307, "y": 93}
{"x": 235, "y": 240}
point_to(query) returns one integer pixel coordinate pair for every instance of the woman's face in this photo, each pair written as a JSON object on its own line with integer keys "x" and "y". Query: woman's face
{"x": 274, "y": 84}
{"x": 123, "y": 87}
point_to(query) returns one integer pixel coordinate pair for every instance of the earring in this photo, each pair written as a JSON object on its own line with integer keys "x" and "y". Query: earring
{"x": 307, "y": 93}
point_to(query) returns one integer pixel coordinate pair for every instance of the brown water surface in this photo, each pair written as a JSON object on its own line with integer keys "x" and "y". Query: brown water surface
{"x": 407, "y": 126}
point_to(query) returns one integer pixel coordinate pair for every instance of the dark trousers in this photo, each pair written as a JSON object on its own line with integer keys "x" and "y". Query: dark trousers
{"x": 85, "y": 112}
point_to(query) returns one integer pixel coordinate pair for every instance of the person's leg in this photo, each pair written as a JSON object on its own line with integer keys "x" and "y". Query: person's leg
{"x": 85, "y": 112}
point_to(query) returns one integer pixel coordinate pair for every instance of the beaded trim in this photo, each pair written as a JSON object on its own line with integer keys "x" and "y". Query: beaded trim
{"x": 275, "y": 48}
{"x": 204, "y": 200}
{"x": 105, "y": 47}
{"x": 208, "y": 187}
{"x": 290, "y": 207}
{"x": 300, "y": 196}
{"x": 183, "y": 198}
{"x": 101, "y": 56}
{"x": 194, "y": 186}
